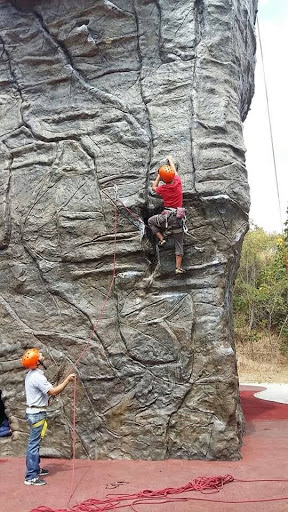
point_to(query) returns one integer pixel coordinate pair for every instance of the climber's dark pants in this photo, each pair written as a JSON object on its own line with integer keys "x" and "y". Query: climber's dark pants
{"x": 163, "y": 221}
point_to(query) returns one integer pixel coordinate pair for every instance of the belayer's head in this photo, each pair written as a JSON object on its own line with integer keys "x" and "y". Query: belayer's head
{"x": 32, "y": 358}
{"x": 166, "y": 173}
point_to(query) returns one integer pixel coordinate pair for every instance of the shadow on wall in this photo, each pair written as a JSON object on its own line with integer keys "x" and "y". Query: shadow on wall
{"x": 26, "y": 4}
{"x": 5, "y": 429}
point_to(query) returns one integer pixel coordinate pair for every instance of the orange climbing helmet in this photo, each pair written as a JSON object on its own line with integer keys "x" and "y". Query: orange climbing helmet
{"x": 30, "y": 358}
{"x": 166, "y": 173}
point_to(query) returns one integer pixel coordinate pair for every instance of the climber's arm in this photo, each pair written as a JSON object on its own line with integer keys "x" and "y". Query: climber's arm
{"x": 155, "y": 183}
{"x": 172, "y": 164}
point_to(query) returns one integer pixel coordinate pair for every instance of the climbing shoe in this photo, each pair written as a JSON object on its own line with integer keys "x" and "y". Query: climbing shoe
{"x": 162, "y": 242}
{"x": 179, "y": 271}
{"x": 35, "y": 481}
{"x": 43, "y": 472}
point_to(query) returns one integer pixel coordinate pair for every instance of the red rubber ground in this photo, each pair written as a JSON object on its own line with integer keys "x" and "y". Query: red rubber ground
{"x": 265, "y": 456}
{"x": 256, "y": 409}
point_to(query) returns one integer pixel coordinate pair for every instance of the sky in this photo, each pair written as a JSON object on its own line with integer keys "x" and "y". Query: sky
{"x": 265, "y": 212}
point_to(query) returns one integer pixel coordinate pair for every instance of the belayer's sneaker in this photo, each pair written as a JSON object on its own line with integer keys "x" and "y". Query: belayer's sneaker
{"x": 35, "y": 481}
{"x": 162, "y": 242}
{"x": 43, "y": 472}
{"x": 179, "y": 271}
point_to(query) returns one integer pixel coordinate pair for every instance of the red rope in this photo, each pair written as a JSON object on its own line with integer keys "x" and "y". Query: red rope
{"x": 131, "y": 213}
{"x": 86, "y": 348}
{"x": 95, "y": 326}
{"x": 115, "y": 502}
{"x": 73, "y": 440}
{"x": 205, "y": 485}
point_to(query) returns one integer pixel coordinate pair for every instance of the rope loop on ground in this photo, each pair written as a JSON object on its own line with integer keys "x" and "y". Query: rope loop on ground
{"x": 115, "y": 502}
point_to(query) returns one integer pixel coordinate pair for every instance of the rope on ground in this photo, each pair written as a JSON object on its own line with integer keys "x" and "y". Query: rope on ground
{"x": 204, "y": 485}
{"x": 115, "y": 502}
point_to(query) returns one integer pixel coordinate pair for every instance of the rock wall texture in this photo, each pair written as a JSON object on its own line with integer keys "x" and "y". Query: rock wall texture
{"x": 94, "y": 94}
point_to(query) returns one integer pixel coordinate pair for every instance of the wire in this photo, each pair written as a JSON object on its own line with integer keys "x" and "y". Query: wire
{"x": 270, "y": 122}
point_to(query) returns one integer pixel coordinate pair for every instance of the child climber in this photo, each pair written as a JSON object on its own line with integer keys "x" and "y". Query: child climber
{"x": 173, "y": 213}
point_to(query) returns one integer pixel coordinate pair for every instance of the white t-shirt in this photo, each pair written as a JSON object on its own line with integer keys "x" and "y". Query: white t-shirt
{"x": 36, "y": 389}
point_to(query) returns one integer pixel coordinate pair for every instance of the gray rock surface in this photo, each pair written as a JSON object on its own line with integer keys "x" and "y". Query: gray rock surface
{"x": 94, "y": 94}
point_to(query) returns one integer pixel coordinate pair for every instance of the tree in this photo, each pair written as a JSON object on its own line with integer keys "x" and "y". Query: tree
{"x": 286, "y": 241}
{"x": 261, "y": 288}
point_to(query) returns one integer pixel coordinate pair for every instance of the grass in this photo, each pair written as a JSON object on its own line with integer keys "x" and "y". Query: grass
{"x": 255, "y": 371}
{"x": 260, "y": 359}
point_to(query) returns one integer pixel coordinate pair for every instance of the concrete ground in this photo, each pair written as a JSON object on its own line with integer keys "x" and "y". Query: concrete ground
{"x": 274, "y": 393}
{"x": 265, "y": 456}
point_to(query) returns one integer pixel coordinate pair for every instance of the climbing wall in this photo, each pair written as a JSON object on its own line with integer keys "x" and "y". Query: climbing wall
{"x": 94, "y": 95}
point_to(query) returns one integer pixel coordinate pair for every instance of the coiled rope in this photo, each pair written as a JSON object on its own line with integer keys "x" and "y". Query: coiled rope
{"x": 204, "y": 485}
{"x": 115, "y": 502}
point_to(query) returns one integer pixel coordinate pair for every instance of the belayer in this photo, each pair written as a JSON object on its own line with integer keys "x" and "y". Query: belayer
{"x": 171, "y": 218}
{"x": 37, "y": 390}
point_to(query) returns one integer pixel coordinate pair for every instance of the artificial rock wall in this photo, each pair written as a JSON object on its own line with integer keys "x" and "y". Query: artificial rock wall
{"x": 94, "y": 95}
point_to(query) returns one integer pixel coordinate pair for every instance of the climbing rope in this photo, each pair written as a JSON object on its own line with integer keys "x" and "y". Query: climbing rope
{"x": 95, "y": 326}
{"x": 204, "y": 485}
{"x": 132, "y": 213}
{"x": 146, "y": 497}
{"x": 141, "y": 221}
{"x": 87, "y": 347}
{"x": 168, "y": 495}
{"x": 272, "y": 143}
{"x": 115, "y": 502}
{"x": 72, "y": 486}
{"x": 270, "y": 122}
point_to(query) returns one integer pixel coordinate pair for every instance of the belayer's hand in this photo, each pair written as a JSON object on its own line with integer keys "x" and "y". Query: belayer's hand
{"x": 71, "y": 377}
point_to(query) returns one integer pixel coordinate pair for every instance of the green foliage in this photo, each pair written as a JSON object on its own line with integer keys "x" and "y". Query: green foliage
{"x": 286, "y": 227}
{"x": 261, "y": 288}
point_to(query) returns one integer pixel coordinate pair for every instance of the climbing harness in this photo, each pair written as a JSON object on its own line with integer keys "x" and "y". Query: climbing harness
{"x": 180, "y": 214}
{"x": 44, "y": 427}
